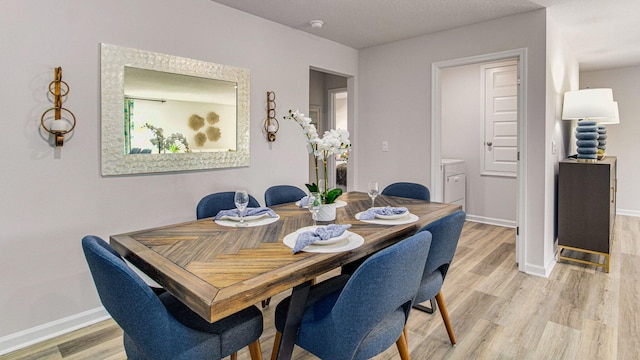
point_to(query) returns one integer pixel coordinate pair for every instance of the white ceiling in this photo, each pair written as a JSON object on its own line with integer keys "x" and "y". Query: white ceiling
{"x": 603, "y": 33}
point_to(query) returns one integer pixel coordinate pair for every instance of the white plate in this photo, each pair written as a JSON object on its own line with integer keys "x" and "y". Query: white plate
{"x": 246, "y": 218}
{"x": 258, "y": 222}
{"x": 406, "y": 219}
{"x": 332, "y": 240}
{"x": 353, "y": 241}
{"x": 339, "y": 203}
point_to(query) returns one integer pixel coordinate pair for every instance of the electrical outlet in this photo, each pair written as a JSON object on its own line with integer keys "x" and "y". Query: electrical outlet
{"x": 385, "y": 146}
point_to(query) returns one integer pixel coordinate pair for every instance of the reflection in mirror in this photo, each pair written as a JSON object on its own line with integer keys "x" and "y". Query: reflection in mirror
{"x": 165, "y": 113}
{"x": 174, "y": 113}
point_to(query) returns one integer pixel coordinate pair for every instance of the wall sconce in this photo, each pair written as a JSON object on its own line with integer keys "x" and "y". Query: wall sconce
{"x": 587, "y": 106}
{"x": 58, "y": 126}
{"x": 271, "y": 125}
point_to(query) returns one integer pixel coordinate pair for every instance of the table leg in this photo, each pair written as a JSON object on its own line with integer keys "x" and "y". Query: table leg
{"x": 294, "y": 316}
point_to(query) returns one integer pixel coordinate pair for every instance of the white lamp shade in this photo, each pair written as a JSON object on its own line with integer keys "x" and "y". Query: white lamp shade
{"x": 588, "y": 104}
{"x": 616, "y": 117}
{"x": 58, "y": 125}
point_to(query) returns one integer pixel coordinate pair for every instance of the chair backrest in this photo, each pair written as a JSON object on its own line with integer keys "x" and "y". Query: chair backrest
{"x": 131, "y": 303}
{"x": 408, "y": 190}
{"x": 211, "y": 204}
{"x": 282, "y": 194}
{"x": 385, "y": 283}
{"x": 445, "y": 234}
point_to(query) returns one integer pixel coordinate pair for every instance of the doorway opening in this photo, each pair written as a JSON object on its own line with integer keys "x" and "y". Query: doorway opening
{"x": 439, "y": 71}
{"x": 339, "y": 117}
{"x": 329, "y": 109}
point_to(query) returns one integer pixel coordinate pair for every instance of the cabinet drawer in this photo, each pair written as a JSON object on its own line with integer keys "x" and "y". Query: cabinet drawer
{"x": 454, "y": 188}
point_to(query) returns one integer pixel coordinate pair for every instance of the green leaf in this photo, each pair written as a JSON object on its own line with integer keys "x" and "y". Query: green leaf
{"x": 332, "y": 195}
{"x": 312, "y": 187}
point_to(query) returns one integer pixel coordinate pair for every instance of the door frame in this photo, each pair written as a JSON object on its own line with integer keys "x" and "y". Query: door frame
{"x": 436, "y": 135}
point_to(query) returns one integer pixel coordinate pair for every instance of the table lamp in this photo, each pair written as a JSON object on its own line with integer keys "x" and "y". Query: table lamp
{"x": 587, "y": 106}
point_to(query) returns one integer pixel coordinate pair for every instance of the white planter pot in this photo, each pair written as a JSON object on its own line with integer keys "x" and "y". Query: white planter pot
{"x": 327, "y": 212}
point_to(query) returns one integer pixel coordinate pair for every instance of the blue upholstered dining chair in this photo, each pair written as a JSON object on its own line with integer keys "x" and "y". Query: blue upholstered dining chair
{"x": 445, "y": 234}
{"x": 211, "y": 204}
{"x": 282, "y": 194}
{"x": 408, "y": 190}
{"x": 162, "y": 327}
{"x": 361, "y": 315}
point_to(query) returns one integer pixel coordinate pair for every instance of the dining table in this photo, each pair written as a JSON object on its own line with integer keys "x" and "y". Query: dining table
{"x": 217, "y": 268}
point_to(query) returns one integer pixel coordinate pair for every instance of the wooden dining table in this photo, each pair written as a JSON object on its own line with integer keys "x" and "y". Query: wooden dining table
{"x": 219, "y": 270}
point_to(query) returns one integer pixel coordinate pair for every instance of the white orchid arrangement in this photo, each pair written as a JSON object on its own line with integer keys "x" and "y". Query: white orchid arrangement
{"x": 333, "y": 142}
{"x": 171, "y": 143}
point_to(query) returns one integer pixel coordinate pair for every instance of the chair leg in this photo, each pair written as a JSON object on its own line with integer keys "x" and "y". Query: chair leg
{"x": 426, "y": 309}
{"x": 255, "y": 351}
{"x": 406, "y": 334}
{"x": 276, "y": 345}
{"x": 234, "y": 356}
{"x": 445, "y": 317}
{"x": 403, "y": 347}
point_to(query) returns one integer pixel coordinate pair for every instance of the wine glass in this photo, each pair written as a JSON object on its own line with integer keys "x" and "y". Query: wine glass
{"x": 241, "y": 199}
{"x": 373, "y": 191}
{"x": 314, "y": 206}
{"x": 321, "y": 186}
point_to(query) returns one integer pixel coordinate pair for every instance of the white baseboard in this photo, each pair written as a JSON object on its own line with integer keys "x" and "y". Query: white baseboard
{"x": 491, "y": 221}
{"x": 539, "y": 270}
{"x": 534, "y": 270}
{"x": 24, "y": 338}
{"x": 635, "y": 213}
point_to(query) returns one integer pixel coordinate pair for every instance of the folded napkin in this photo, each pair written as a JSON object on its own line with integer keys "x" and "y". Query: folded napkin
{"x": 233, "y": 213}
{"x": 304, "y": 201}
{"x": 388, "y": 210}
{"x": 321, "y": 233}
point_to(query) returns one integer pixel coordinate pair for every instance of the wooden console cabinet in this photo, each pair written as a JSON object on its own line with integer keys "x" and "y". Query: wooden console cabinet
{"x": 586, "y": 208}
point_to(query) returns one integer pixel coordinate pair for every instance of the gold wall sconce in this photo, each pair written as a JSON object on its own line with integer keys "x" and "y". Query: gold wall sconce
{"x": 271, "y": 125}
{"x": 58, "y": 126}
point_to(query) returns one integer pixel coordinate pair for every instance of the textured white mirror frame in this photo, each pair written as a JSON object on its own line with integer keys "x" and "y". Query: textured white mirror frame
{"x": 116, "y": 162}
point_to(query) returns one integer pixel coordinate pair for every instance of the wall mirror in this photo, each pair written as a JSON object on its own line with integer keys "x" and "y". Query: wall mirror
{"x": 163, "y": 113}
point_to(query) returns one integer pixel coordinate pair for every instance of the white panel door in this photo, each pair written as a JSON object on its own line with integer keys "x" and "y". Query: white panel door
{"x": 500, "y": 118}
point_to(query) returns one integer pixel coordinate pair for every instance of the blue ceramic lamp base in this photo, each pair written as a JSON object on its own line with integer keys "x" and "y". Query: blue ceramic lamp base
{"x": 602, "y": 141}
{"x": 587, "y": 141}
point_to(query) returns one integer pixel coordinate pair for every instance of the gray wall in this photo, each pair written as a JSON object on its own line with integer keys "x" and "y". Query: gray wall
{"x": 395, "y": 93}
{"x": 622, "y": 139}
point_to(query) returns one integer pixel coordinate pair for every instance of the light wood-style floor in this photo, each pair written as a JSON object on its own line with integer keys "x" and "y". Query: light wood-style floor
{"x": 579, "y": 312}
